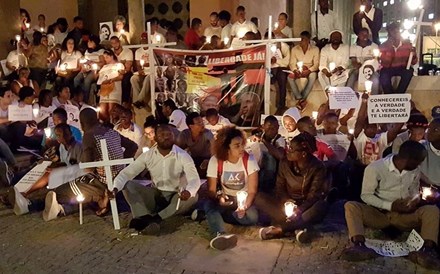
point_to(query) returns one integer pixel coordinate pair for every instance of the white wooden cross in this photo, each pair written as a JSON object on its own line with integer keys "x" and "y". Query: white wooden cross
{"x": 107, "y": 163}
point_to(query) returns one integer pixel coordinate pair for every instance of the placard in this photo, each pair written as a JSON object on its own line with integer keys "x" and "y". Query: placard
{"x": 339, "y": 143}
{"x": 396, "y": 249}
{"x": 72, "y": 115}
{"x": 105, "y": 30}
{"x": 108, "y": 72}
{"x": 20, "y": 113}
{"x": 393, "y": 108}
{"x": 343, "y": 98}
{"x": 366, "y": 72}
{"x": 32, "y": 176}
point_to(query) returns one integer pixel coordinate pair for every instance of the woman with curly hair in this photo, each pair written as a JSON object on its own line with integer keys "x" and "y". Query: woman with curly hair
{"x": 302, "y": 180}
{"x": 230, "y": 170}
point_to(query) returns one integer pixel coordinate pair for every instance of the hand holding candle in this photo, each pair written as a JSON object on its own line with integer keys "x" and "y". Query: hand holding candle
{"x": 48, "y": 132}
{"x": 289, "y": 209}
{"x": 332, "y": 66}
{"x": 426, "y": 193}
{"x": 376, "y": 53}
{"x": 241, "y": 200}
{"x": 226, "y": 41}
{"x": 368, "y": 86}
{"x": 142, "y": 63}
{"x": 314, "y": 115}
{"x": 362, "y": 8}
{"x": 158, "y": 38}
{"x": 300, "y": 65}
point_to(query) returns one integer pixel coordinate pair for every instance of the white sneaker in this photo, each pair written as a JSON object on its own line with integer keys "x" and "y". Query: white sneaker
{"x": 21, "y": 204}
{"x": 224, "y": 241}
{"x": 52, "y": 207}
{"x": 302, "y": 236}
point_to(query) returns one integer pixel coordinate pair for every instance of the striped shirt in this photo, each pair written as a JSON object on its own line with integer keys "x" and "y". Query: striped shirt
{"x": 396, "y": 57}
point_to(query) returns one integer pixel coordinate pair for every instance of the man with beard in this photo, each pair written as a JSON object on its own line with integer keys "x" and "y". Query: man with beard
{"x": 247, "y": 116}
{"x": 125, "y": 56}
{"x": 213, "y": 28}
{"x": 335, "y": 53}
{"x": 174, "y": 177}
{"x": 371, "y": 19}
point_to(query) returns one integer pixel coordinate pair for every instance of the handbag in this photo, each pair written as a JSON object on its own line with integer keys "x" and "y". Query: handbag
{"x": 106, "y": 89}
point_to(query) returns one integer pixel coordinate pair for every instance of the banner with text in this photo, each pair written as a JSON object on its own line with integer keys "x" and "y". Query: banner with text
{"x": 232, "y": 81}
{"x": 393, "y": 108}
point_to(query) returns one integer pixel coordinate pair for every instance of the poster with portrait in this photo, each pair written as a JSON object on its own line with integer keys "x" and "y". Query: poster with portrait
{"x": 366, "y": 72}
{"x": 231, "y": 81}
{"x": 105, "y": 30}
{"x": 72, "y": 115}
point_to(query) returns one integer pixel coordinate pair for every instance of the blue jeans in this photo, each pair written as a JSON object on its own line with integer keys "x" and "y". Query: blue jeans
{"x": 405, "y": 79}
{"x": 85, "y": 81}
{"x": 217, "y": 216}
{"x": 304, "y": 93}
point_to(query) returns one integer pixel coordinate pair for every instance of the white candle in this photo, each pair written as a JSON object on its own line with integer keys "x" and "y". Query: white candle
{"x": 142, "y": 62}
{"x": 226, "y": 40}
{"x": 351, "y": 131}
{"x": 98, "y": 109}
{"x": 27, "y": 25}
{"x": 18, "y": 38}
{"x": 41, "y": 29}
{"x": 95, "y": 66}
{"x": 332, "y": 66}
{"x": 241, "y": 199}
{"x": 178, "y": 204}
{"x": 276, "y": 25}
{"x": 376, "y": 53}
{"x": 362, "y": 8}
{"x": 63, "y": 67}
{"x": 145, "y": 149}
{"x": 122, "y": 31}
{"x": 35, "y": 110}
{"x": 121, "y": 66}
{"x": 368, "y": 85}
{"x": 314, "y": 115}
{"x": 289, "y": 209}
{"x": 300, "y": 65}
{"x": 316, "y": 5}
{"x": 426, "y": 192}
{"x": 80, "y": 198}
{"x": 82, "y": 60}
{"x": 158, "y": 38}
{"x": 48, "y": 132}
{"x": 273, "y": 48}
{"x": 208, "y": 39}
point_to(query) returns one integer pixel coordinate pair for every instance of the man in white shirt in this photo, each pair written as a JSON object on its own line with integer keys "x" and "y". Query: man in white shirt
{"x": 391, "y": 192}
{"x": 125, "y": 56}
{"x": 214, "y": 121}
{"x": 360, "y": 52}
{"x": 127, "y": 128}
{"x": 213, "y": 28}
{"x": 326, "y": 23}
{"x": 224, "y": 21}
{"x": 242, "y": 26}
{"x": 334, "y": 62}
{"x": 371, "y": 18}
{"x": 61, "y": 30}
{"x": 283, "y": 30}
{"x": 175, "y": 116}
{"x": 174, "y": 178}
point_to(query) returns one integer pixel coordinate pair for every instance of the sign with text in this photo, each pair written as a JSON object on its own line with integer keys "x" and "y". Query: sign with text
{"x": 20, "y": 113}
{"x": 339, "y": 143}
{"x": 32, "y": 176}
{"x": 393, "y": 108}
{"x": 343, "y": 98}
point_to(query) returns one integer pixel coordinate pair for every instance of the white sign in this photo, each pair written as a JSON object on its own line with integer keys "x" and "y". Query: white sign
{"x": 339, "y": 143}
{"x": 32, "y": 176}
{"x": 72, "y": 115}
{"x": 69, "y": 63}
{"x": 366, "y": 72}
{"x": 396, "y": 249}
{"x": 343, "y": 98}
{"x": 44, "y": 113}
{"x": 105, "y": 30}
{"x": 394, "y": 108}
{"x": 20, "y": 113}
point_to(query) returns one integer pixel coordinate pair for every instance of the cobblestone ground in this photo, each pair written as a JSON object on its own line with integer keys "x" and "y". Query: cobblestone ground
{"x": 29, "y": 245}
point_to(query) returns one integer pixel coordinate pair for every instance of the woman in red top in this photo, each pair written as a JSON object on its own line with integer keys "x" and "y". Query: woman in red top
{"x": 192, "y": 37}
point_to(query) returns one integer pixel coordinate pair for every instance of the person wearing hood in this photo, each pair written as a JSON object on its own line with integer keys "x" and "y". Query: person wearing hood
{"x": 288, "y": 121}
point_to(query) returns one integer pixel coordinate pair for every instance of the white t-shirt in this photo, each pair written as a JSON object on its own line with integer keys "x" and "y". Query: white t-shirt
{"x": 363, "y": 54}
{"x": 370, "y": 149}
{"x": 94, "y": 56}
{"x": 226, "y": 31}
{"x": 240, "y": 29}
{"x": 222, "y": 122}
{"x": 234, "y": 177}
{"x": 142, "y": 54}
{"x": 125, "y": 55}
{"x": 177, "y": 119}
{"x": 71, "y": 59}
{"x": 211, "y": 31}
{"x": 133, "y": 133}
{"x": 12, "y": 59}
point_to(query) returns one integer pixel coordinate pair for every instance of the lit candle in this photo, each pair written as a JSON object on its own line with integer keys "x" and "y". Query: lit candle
{"x": 226, "y": 40}
{"x": 332, "y": 66}
{"x": 121, "y": 66}
{"x": 376, "y": 53}
{"x": 208, "y": 39}
{"x": 80, "y": 198}
{"x": 41, "y": 29}
{"x": 316, "y": 5}
{"x": 241, "y": 199}
{"x": 426, "y": 192}
{"x": 289, "y": 209}
{"x": 158, "y": 38}
{"x": 368, "y": 86}
{"x": 142, "y": 62}
{"x": 18, "y": 38}
{"x": 27, "y": 25}
{"x": 122, "y": 31}
{"x": 276, "y": 25}
{"x": 314, "y": 115}
{"x": 63, "y": 67}
{"x": 273, "y": 48}
{"x": 82, "y": 60}
{"x": 98, "y": 109}
{"x": 145, "y": 149}
{"x": 95, "y": 67}
{"x": 35, "y": 110}
{"x": 351, "y": 131}
{"x": 48, "y": 132}
{"x": 362, "y": 8}
{"x": 300, "y": 65}
{"x": 332, "y": 90}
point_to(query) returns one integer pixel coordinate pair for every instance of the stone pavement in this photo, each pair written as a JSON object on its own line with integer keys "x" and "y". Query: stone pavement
{"x": 29, "y": 245}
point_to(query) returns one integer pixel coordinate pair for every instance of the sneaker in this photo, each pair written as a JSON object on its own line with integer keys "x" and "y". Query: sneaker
{"x": 224, "y": 241}
{"x": 425, "y": 257}
{"x": 358, "y": 253}
{"x": 198, "y": 215}
{"x": 302, "y": 236}
{"x": 265, "y": 234}
{"x": 52, "y": 207}
{"x": 21, "y": 204}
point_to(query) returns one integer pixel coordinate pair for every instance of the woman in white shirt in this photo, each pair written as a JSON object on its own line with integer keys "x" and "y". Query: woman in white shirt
{"x": 24, "y": 81}
{"x": 110, "y": 78}
{"x": 68, "y": 66}
{"x": 230, "y": 171}
{"x": 62, "y": 98}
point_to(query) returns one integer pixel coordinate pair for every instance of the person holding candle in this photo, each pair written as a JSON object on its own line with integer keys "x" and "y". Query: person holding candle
{"x": 119, "y": 24}
{"x": 370, "y": 18}
{"x": 282, "y": 30}
{"x": 334, "y": 61}
{"x": 391, "y": 194}
{"x": 16, "y": 59}
{"x": 70, "y": 59}
{"x": 24, "y": 81}
{"x": 214, "y": 121}
{"x": 193, "y": 35}
{"x": 62, "y": 98}
{"x": 230, "y": 170}
{"x": 225, "y": 23}
{"x": 242, "y": 26}
{"x": 37, "y": 55}
{"x": 140, "y": 81}
{"x": 214, "y": 28}
{"x": 301, "y": 178}
{"x": 125, "y": 57}
{"x": 41, "y": 26}
{"x": 304, "y": 62}
{"x": 179, "y": 181}
{"x": 360, "y": 52}
{"x": 156, "y": 36}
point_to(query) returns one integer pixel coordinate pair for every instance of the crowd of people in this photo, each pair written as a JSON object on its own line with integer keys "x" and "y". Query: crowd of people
{"x": 283, "y": 175}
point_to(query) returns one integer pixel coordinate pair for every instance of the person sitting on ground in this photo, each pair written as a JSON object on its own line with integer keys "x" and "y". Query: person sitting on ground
{"x": 150, "y": 126}
{"x": 127, "y": 128}
{"x": 62, "y": 98}
{"x": 289, "y": 120}
{"x": 59, "y": 116}
{"x": 416, "y": 127}
{"x": 230, "y": 170}
{"x": 302, "y": 179}
{"x": 196, "y": 139}
{"x": 24, "y": 81}
{"x": 150, "y": 205}
{"x": 175, "y": 116}
{"x": 330, "y": 125}
{"x": 214, "y": 121}
{"x": 371, "y": 19}
{"x": 140, "y": 81}
{"x": 214, "y": 28}
{"x": 69, "y": 63}
{"x": 430, "y": 166}
{"x": 92, "y": 186}
{"x": 391, "y": 194}
{"x": 323, "y": 150}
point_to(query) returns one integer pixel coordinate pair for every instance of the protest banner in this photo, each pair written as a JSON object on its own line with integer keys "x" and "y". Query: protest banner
{"x": 231, "y": 81}
{"x": 20, "y": 113}
{"x": 393, "y": 108}
{"x": 343, "y": 98}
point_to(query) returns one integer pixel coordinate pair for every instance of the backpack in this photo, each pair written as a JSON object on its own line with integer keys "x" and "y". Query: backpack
{"x": 220, "y": 168}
